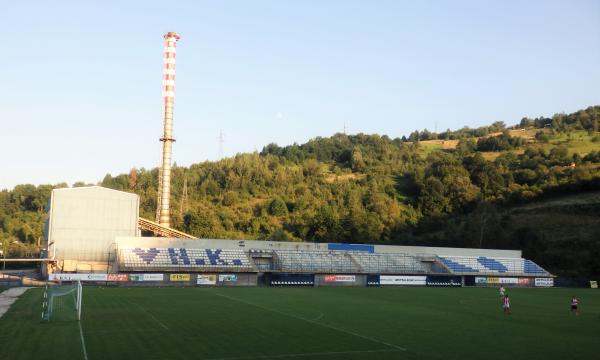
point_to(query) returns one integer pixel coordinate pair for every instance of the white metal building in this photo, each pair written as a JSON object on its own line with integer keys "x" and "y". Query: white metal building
{"x": 84, "y": 222}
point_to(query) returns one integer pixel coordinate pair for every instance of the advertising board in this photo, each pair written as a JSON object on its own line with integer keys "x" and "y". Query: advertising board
{"x": 544, "y": 282}
{"x": 593, "y": 284}
{"x": 444, "y": 281}
{"x": 484, "y": 280}
{"x": 373, "y": 280}
{"x": 179, "y": 277}
{"x": 206, "y": 279}
{"x": 480, "y": 280}
{"x": 145, "y": 277}
{"x": 227, "y": 278}
{"x": 75, "y": 277}
{"x": 402, "y": 280}
{"x": 118, "y": 277}
{"x": 339, "y": 278}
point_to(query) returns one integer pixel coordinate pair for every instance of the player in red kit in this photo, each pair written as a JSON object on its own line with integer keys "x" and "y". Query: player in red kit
{"x": 575, "y": 305}
{"x": 506, "y": 305}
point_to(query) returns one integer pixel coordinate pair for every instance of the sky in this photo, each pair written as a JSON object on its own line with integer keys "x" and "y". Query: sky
{"x": 80, "y": 81}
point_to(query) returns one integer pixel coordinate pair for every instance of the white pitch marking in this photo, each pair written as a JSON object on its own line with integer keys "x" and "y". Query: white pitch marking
{"x": 82, "y": 341}
{"x": 314, "y": 322}
{"x": 152, "y": 316}
{"x": 318, "y": 317}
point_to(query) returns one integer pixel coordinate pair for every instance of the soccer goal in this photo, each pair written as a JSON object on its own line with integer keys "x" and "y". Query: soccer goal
{"x": 62, "y": 303}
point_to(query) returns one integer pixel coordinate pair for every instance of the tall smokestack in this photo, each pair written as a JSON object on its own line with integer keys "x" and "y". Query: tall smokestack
{"x": 164, "y": 190}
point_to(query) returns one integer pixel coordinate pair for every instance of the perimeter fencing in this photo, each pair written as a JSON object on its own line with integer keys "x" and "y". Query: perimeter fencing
{"x": 12, "y": 279}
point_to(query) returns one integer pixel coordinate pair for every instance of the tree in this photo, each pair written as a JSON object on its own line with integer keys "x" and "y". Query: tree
{"x": 132, "y": 180}
{"x": 277, "y": 207}
{"x": 432, "y": 200}
{"x": 357, "y": 162}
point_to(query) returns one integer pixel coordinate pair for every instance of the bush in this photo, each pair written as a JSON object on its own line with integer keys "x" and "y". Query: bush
{"x": 277, "y": 207}
{"x": 541, "y": 137}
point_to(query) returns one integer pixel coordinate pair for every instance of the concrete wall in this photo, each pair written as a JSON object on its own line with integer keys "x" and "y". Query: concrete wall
{"x": 84, "y": 222}
{"x": 129, "y": 242}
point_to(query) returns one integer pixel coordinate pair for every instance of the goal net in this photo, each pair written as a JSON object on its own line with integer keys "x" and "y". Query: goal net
{"x": 62, "y": 303}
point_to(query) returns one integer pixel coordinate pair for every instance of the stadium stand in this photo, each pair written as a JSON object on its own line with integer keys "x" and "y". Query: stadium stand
{"x": 397, "y": 263}
{"x": 389, "y": 263}
{"x": 487, "y": 265}
{"x": 348, "y": 262}
{"x": 141, "y": 259}
{"x": 315, "y": 261}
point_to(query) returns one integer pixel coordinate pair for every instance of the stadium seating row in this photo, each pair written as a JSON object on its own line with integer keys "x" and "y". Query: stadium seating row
{"x": 486, "y": 265}
{"x": 315, "y": 261}
{"x": 348, "y": 262}
{"x": 376, "y": 263}
{"x": 139, "y": 259}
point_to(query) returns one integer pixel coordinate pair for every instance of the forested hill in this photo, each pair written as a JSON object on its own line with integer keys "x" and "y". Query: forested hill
{"x": 455, "y": 188}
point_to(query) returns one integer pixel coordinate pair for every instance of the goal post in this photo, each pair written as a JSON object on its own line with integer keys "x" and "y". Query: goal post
{"x": 78, "y": 304}
{"x": 62, "y": 302}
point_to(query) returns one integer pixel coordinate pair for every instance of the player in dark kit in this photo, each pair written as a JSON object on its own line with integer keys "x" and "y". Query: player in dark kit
{"x": 574, "y": 305}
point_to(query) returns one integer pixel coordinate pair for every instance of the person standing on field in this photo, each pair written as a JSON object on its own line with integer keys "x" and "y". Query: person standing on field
{"x": 502, "y": 292}
{"x": 506, "y": 305}
{"x": 574, "y": 306}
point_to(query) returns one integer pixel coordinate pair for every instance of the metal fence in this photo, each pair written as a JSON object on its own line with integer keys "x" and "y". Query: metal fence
{"x": 11, "y": 279}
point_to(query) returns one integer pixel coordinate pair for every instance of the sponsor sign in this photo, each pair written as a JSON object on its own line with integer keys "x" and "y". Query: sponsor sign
{"x": 75, "y": 277}
{"x": 480, "y": 280}
{"x": 443, "y": 281}
{"x": 227, "y": 278}
{"x": 145, "y": 277}
{"x": 118, "y": 277}
{"x": 339, "y": 278}
{"x": 483, "y": 280}
{"x": 402, "y": 280}
{"x": 372, "y": 280}
{"x": 206, "y": 279}
{"x": 525, "y": 281}
{"x": 180, "y": 277}
{"x": 593, "y": 284}
{"x": 544, "y": 282}
{"x": 493, "y": 281}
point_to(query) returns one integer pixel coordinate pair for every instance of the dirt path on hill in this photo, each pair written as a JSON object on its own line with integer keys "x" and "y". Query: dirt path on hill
{"x": 8, "y": 297}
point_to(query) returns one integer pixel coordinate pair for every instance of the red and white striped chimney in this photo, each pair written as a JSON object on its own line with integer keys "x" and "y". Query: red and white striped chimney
{"x": 164, "y": 191}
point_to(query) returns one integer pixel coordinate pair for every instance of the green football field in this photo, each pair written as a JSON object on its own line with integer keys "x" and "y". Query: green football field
{"x": 307, "y": 323}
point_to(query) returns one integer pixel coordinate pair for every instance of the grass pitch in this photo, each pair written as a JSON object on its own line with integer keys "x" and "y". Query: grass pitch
{"x": 307, "y": 323}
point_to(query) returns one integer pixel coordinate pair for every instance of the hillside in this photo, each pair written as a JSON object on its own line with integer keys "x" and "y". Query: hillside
{"x": 561, "y": 233}
{"x": 427, "y": 189}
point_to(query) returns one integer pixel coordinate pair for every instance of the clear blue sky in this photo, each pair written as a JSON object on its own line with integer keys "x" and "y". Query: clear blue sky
{"x": 80, "y": 88}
